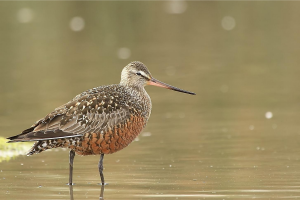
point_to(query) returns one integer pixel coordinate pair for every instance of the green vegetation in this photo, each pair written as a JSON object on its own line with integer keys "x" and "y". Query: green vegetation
{"x": 11, "y": 150}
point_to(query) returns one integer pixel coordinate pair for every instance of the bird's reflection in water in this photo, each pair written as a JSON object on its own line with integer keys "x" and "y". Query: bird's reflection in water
{"x": 100, "y": 197}
{"x": 71, "y": 192}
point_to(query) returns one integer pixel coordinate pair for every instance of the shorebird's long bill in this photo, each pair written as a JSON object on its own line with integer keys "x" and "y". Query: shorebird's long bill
{"x": 158, "y": 83}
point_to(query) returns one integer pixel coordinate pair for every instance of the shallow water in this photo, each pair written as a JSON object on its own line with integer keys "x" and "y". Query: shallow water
{"x": 237, "y": 138}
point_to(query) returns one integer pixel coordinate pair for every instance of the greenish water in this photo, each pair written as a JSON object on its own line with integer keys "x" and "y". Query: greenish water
{"x": 237, "y": 138}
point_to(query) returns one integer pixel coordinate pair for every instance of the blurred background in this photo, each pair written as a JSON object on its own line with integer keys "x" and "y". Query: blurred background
{"x": 237, "y": 138}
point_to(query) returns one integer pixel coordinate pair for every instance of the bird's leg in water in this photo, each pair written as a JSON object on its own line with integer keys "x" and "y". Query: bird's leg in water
{"x": 72, "y": 155}
{"x": 100, "y": 166}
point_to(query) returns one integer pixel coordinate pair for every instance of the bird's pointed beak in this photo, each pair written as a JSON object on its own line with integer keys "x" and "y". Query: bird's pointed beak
{"x": 158, "y": 83}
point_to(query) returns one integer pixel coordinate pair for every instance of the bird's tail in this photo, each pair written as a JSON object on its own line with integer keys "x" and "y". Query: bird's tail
{"x": 20, "y": 137}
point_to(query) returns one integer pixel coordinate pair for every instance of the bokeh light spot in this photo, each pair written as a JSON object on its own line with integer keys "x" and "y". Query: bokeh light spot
{"x": 25, "y": 15}
{"x": 228, "y": 23}
{"x": 251, "y": 127}
{"x": 124, "y": 53}
{"x": 175, "y": 6}
{"x": 77, "y": 24}
{"x": 146, "y": 134}
{"x": 269, "y": 115}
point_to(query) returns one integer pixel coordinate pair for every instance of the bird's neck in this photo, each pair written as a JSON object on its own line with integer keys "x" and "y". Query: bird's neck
{"x": 140, "y": 94}
{"x": 140, "y": 91}
{"x": 134, "y": 87}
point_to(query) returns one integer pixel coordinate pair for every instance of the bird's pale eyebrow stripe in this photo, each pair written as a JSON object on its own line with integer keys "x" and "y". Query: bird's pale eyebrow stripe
{"x": 143, "y": 74}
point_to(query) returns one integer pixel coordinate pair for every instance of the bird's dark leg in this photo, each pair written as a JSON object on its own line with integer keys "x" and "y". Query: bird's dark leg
{"x": 100, "y": 166}
{"x": 72, "y": 155}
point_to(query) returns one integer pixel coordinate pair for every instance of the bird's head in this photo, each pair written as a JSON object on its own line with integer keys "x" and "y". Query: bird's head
{"x": 136, "y": 74}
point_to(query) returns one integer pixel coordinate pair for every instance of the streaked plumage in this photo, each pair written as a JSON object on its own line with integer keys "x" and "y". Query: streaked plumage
{"x": 101, "y": 120}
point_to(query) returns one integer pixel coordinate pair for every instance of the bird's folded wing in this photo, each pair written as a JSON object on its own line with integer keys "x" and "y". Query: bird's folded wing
{"x": 72, "y": 119}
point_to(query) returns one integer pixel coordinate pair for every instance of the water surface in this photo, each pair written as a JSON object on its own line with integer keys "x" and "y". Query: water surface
{"x": 219, "y": 144}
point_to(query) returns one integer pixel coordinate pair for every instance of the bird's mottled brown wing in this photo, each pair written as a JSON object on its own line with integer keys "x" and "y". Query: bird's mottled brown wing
{"x": 91, "y": 111}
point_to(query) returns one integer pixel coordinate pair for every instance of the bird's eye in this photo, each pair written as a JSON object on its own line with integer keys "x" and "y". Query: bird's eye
{"x": 139, "y": 74}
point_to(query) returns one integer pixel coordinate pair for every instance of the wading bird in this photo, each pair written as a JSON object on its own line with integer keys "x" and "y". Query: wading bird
{"x": 102, "y": 120}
